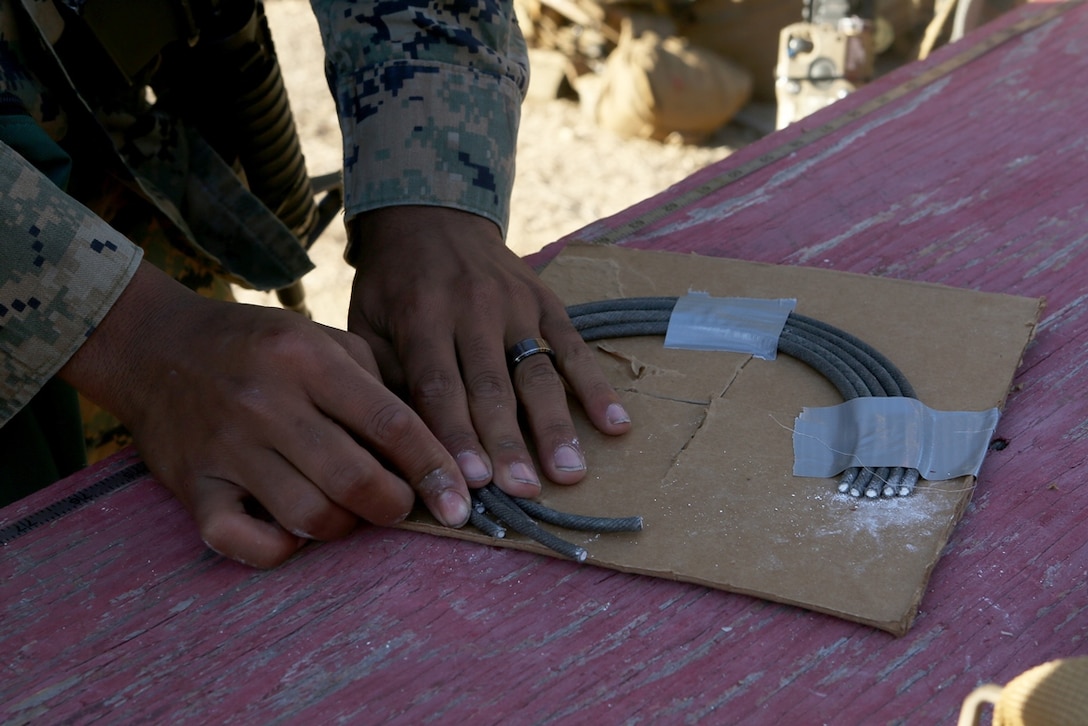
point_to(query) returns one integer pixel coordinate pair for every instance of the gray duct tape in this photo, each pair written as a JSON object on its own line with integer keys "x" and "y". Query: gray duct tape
{"x": 891, "y": 431}
{"x": 735, "y": 324}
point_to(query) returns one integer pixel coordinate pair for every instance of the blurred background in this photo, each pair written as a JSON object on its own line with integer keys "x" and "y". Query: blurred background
{"x": 628, "y": 98}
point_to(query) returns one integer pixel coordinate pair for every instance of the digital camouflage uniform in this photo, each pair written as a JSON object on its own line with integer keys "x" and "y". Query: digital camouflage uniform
{"x": 428, "y": 94}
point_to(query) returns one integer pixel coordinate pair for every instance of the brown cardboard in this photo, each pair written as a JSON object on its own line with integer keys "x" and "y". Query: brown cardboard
{"x": 708, "y": 463}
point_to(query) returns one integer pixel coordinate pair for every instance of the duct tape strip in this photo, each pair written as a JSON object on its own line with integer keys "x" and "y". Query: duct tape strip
{"x": 734, "y": 324}
{"x": 877, "y": 431}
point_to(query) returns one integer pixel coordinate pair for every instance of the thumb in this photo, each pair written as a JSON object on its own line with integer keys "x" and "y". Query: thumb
{"x": 227, "y": 528}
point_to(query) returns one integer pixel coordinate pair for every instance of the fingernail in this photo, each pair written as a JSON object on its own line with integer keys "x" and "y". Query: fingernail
{"x": 524, "y": 473}
{"x": 453, "y": 508}
{"x": 568, "y": 458}
{"x": 441, "y": 490}
{"x": 473, "y": 466}
{"x": 617, "y": 414}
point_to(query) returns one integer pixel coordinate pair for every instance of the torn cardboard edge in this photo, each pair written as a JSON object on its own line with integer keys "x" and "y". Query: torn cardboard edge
{"x": 708, "y": 462}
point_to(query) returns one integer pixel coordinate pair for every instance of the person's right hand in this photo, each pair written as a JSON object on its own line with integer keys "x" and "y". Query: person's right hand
{"x": 228, "y": 403}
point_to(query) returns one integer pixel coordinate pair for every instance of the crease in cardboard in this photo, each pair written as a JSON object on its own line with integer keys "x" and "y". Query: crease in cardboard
{"x": 704, "y": 407}
{"x": 671, "y": 399}
{"x": 684, "y": 447}
{"x": 639, "y": 368}
{"x": 736, "y": 375}
{"x": 642, "y": 370}
{"x": 609, "y": 278}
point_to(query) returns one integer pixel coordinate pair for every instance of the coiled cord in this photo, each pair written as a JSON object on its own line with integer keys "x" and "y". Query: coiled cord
{"x": 850, "y": 364}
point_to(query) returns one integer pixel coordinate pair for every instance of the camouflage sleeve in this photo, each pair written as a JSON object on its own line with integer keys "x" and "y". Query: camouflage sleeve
{"x": 429, "y": 95}
{"x": 61, "y": 268}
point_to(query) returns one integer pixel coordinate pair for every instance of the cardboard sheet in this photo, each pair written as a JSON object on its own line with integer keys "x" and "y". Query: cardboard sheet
{"x": 708, "y": 463}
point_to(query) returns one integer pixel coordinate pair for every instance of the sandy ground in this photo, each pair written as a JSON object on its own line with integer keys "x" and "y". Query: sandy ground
{"x": 570, "y": 172}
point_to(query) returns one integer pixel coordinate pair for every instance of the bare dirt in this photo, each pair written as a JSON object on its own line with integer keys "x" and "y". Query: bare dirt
{"x": 569, "y": 172}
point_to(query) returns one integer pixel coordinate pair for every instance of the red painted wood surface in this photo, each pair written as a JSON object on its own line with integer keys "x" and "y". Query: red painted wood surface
{"x": 978, "y": 179}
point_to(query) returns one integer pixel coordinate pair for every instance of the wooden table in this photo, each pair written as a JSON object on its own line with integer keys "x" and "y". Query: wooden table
{"x": 973, "y": 174}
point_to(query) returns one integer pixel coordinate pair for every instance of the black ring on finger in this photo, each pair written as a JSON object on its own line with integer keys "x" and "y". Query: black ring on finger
{"x": 529, "y": 347}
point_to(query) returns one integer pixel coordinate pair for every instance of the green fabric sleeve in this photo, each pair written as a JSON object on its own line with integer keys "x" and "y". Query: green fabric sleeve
{"x": 44, "y": 441}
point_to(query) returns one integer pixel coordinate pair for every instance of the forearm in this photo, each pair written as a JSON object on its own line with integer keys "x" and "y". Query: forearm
{"x": 129, "y": 351}
{"x": 429, "y": 101}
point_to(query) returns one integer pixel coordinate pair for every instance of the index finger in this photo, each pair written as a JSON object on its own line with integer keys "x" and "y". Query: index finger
{"x": 389, "y": 429}
{"x": 580, "y": 369}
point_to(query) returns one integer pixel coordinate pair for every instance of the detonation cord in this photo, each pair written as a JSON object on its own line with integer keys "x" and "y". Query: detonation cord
{"x": 850, "y": 364}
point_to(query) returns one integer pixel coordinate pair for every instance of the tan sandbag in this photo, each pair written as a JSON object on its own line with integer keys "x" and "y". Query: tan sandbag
{"x": 744, "y": 31}
{"x": 654, "y": 86}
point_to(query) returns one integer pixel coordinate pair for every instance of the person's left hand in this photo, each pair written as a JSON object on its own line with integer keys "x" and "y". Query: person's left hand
{"x": 440, "y": 299}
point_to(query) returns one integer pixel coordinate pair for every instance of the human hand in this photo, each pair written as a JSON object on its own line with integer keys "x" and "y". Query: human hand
{"x": 440, "y": 298}
{"x": 229, "y": 403}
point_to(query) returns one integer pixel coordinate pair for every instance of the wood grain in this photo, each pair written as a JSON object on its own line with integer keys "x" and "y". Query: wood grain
{"x": 117, "y": 613}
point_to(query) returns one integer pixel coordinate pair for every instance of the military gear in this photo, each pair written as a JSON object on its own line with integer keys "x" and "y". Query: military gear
{"x": 428, "y": 97}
